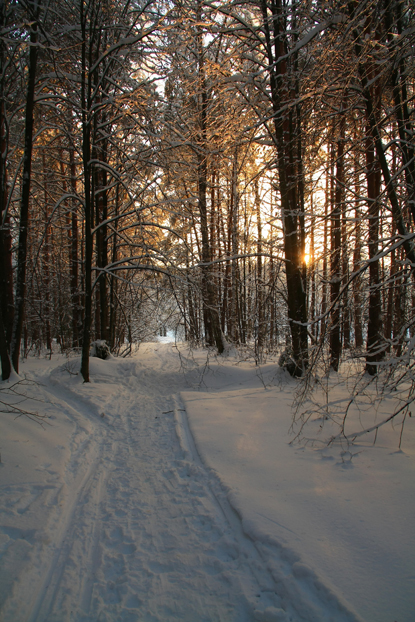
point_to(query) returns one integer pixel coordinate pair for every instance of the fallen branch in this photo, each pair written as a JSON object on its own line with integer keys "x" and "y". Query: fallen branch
{"x": 374, "y": 428}
{"x": 15, "y": 408}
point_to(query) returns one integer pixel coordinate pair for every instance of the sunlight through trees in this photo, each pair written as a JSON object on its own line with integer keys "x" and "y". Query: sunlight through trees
{"x": 238, "y": 173}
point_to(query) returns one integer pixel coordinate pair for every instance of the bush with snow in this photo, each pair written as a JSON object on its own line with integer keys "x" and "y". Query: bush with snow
{"x": 100, "y": 349}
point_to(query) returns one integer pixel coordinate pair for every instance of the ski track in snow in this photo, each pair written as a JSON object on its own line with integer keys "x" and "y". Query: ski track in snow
{"x": 140, "y": 530}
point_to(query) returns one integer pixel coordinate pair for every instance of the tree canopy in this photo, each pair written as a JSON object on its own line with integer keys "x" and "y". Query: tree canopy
{"x": 237, "y": 172}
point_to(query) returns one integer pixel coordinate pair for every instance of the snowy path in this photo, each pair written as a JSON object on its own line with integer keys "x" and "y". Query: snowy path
{"x": 110, "y": 515}
{"x": 134, "y": 530}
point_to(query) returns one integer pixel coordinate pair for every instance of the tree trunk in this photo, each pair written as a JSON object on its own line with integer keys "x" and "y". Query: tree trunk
{"x": 357, "y": 282}
{"x": 234, "y": 294}
{"x": 88, "y": 203}
{"x": 327, "y": 203}
{"x": 335, "y": 276}
{"x": 211, "y": 312}
{"x": 76, "y": 324}
{"x": 345, "y": 311}
{"x": 364, "y": 76}
{"x": 46, "y": 279}
{"x": 260, "y": 278}
{"x": 375, "y": 351}
{"x": 400, "y": 100}
{"x": 289, "y": 171}
{"x": 25, "y": 199}
{"x": 113, "y": 279}
{"x": 6, "y": 273}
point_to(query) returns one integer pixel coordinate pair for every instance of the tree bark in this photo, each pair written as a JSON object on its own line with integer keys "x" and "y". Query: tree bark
{"x": 74, "y": 259}
{"x": 357, "y": 257}
{"x": 289, "y": 171}
{"x": 375, "y": 351}
{"x": 6, "y": 272}
{"x": 46, "y": 279}
{"x": 260, "y": 337}
{"x": 335, "y": 268}
{"x": 211, "y": 312}
{"x": 380, "y": 150}
{"x": 400, "y": 99}
{"x": 25, "y": 198}
{"x": 88, "y": 203}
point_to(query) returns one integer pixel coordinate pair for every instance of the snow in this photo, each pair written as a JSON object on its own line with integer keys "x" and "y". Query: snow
{"x": 166, "y": 489}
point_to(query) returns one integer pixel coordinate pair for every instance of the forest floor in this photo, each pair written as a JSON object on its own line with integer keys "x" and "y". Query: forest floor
{"x": 166, "y": 490}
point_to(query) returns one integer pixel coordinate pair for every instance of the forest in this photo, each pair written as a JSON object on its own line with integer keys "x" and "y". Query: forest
{"x": 241, "y": 173}
{"x": 217, "y": 198}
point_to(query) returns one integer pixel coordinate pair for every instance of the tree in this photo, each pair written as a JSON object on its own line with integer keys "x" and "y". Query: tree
{"x": 6, "y": 276}
{"x": 32, "y": 15}
{"x": 281, "y": 68}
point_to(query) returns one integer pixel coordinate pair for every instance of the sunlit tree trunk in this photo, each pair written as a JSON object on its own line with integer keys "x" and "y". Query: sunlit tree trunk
{"x": 289, "y": 169}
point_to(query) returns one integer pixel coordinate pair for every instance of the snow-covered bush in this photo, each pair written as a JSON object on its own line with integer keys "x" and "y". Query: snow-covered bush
{"x": 100, "y": 349}
{"x": 286, "y": 361}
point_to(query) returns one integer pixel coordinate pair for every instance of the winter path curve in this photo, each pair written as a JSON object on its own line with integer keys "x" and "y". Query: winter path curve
{"x": 120, "y": 521}
{"x": 134, "y": 531}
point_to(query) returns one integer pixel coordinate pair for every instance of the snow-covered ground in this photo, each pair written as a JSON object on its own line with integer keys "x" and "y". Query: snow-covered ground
{"x": 166, "y": 490}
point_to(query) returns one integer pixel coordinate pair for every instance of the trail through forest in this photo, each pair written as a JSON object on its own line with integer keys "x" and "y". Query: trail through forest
{"x": 135, "y": 530}
{"x": 108, "y": 514}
